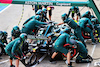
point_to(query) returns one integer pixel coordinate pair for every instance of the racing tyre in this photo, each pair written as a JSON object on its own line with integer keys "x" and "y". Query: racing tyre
{"x": 73, "y": 50}
{"x": 85, "y": 35}
{"x": 33, "y": 59}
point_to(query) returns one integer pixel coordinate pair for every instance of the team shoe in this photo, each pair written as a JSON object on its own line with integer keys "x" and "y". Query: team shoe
{"x": 52, "y": 61}
{"x": 94, "y": 43}
{"x": 12, "y": 65}
{"x": 70, "y": 65}
{"x": 90, "y": 58}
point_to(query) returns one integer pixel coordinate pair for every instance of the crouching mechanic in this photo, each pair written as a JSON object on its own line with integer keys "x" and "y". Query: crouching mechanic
{"x": 31, "y": 26}
{"x": 73, "y": 25}
{"x": 61, "y": 40}
{"x": 32, "y": 17}
{"x": 83, "y": 56}
{"x": 3, "y": 41}
{"x": 13, "y": 49}
{"x": 96, "y": 23}
{"x": 15, "y": 33}
{"x": 83, "y": 22}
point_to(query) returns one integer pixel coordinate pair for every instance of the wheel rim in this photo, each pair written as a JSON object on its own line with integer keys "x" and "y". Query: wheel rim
{"x": 72, "y": 55}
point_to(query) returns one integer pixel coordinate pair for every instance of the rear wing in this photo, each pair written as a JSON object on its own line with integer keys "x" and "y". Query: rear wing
{"x": 88, "y": 3}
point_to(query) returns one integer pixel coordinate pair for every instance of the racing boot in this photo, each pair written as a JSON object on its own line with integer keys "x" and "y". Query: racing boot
{"x": 94, "y": 42}
{"x": 90, "y": 58}
{"x": 52, "y": 61}
{"x": 70, "y": 65}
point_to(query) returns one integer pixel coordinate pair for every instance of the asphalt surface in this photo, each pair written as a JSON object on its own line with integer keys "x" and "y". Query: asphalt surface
{"x": 11, "y": 17}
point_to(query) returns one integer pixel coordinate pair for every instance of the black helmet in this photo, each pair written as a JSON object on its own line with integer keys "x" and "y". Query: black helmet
{"x": 38, "y": 17}
{"x": 87, "y": 14}
{"x": 44, "y": 10}
{"x": 64, "y": 16}
{"x": 23, "y": 36}
{"x": 39, "y": 12}
{"x": 16, "y": 30}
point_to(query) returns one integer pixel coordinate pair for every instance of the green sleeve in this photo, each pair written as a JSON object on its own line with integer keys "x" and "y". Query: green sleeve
{"x": 28, "y": 20}
{"x": 15, "y": 46}
{"x": 67, "y": 39}
{"x": 39, "y": 23}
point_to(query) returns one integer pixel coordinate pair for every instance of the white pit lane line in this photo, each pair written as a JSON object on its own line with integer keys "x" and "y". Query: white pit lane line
{"x": 92, "y": 54}
{"x": 4, "y": 61}
{"x": 5, "y": 8}
{"x": 1, "y": 12}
